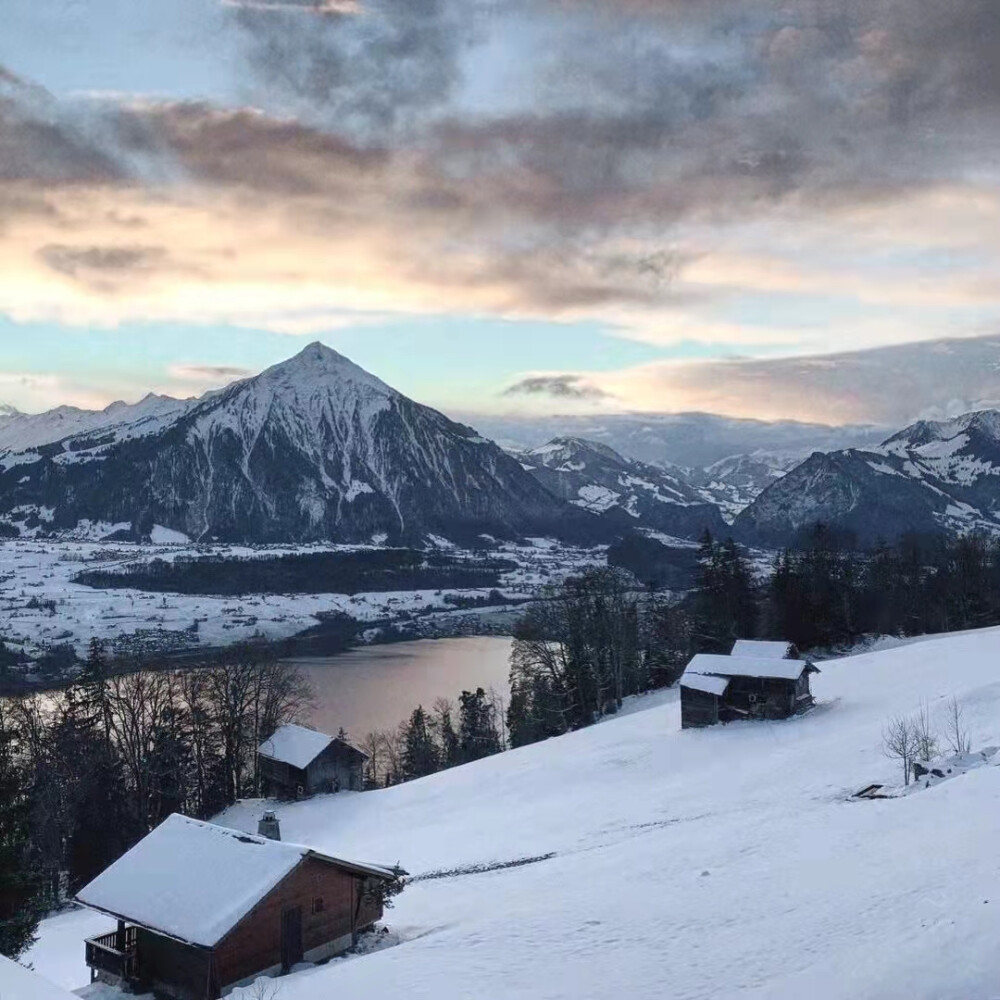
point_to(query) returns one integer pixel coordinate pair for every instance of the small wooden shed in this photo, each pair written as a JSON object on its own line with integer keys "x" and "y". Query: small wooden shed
{"x": 201, "y": 909}
{"x": 297, "y": 761}
{"x": 726, "y": 688}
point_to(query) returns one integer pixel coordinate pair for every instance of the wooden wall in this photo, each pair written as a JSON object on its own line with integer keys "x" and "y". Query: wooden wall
{"x": 255, "y": 943}
{"x": 698, "y": 708}
{"x": 177, "y": 970}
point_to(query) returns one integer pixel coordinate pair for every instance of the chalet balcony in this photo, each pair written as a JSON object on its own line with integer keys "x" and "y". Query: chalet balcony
{"x": 113, "y": 954}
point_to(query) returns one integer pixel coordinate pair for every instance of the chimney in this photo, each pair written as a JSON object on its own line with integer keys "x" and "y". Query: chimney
{"x": 269, "y": 826}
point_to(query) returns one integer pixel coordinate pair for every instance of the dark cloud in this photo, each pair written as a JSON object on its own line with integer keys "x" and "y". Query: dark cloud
{"x": 366, "y": 72}
{"x": 557, "y": 387}
{"x": 624, "y": 120}
{"x": 209, "y": 373}
{"x": 40, "y": 142}
{"x": 103, "y": 267}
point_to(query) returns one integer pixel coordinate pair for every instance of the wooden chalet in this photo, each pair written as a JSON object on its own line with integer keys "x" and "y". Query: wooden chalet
{"x": 726, "y": 688}
{"x": 202, "y": 909}
{"x": 19, "y": 983}
{"x": 297, "y": 761}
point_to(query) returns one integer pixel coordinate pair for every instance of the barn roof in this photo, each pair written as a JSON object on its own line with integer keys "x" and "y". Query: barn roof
{"x": 20, "y": 983}
{"x": 195, "y": 881}
{"x": 715, "y": 665}
{"x": 705, "y": 682}
{"x": 299, "y": 746}
{"x": 763, "y": 649}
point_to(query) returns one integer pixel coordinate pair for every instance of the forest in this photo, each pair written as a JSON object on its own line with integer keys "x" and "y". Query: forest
{"x": 364, "y": 571}
{"x": 87, "y": 772}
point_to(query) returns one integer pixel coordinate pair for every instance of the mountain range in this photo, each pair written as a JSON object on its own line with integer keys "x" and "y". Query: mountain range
{"x": 933, "y": 476}
{"x": 317, "y": 449}
{"x": 312, "y": 449}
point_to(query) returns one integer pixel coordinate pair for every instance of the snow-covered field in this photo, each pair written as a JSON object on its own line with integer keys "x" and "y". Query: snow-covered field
{"x": 699, "y": 864}
{"x": 40, "y": 605}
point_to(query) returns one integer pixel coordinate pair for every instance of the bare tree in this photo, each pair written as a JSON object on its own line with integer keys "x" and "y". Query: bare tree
{"x": 955, "y": 734}
{"x": 899, "y": 742}
{"x": 924, "y": 737}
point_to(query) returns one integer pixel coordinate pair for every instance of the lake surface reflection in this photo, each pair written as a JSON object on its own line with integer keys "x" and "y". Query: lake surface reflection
{"x": 376, "y": 687}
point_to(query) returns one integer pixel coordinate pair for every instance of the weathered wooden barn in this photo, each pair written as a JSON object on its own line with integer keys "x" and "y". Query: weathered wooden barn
{"x": 765, "y": 649}
{"x": 201, "y": 909}
{"x": 297, "y": 761}
{"x": 726, "y": 688}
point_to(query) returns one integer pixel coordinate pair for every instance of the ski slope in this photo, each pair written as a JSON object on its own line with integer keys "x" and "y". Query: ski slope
{"x": 727, "y": 862}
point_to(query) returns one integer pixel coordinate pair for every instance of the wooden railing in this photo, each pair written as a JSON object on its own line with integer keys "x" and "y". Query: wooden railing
{"x": 113, "y": 953}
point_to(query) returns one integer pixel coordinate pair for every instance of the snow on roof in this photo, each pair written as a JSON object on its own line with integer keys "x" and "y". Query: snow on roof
{"x": 20, "y": 983}
{"x": 761, "y": 648}
{"x": 195, "y": 881}
{"x": 744, "y": 666}
{"x": 295, "y": 745}
{"x": 706, "y": 683}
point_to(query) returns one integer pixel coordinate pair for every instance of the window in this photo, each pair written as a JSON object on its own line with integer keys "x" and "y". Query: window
{"x": 318, "y": 905}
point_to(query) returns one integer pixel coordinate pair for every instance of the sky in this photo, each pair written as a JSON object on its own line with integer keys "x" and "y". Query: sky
{"x": 507, "y": 205}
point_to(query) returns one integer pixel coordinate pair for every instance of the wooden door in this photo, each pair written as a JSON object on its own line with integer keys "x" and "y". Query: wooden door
{"x": 291, "y": 937}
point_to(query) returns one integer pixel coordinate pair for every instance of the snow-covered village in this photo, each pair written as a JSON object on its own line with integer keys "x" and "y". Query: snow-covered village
{"x": 499, "y": 501}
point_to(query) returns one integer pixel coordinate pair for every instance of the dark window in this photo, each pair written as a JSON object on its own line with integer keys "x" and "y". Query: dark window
{"x": 318, "y": 905}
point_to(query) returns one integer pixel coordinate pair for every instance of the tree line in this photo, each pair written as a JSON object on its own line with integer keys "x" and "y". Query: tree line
{"x": 85, "y": 773}
{"x": 364, "y": 571}
{"x": 828, "y": 593}
{"x": 431, "y": 740}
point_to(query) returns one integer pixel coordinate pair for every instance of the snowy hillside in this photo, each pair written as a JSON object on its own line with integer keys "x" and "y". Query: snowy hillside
{"x": 659, "y": 863}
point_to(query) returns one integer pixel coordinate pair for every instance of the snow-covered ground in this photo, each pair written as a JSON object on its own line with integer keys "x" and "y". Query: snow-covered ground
{"x": 712, "y": 863}
{"x": 40, "y": 605}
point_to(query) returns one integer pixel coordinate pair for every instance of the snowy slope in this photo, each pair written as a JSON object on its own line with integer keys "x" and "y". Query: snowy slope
{"x": 18, "y": 983}
{"x": 313, "y": 449}
{"x": 626, "y": 492}
{"x": 690, "y": 864}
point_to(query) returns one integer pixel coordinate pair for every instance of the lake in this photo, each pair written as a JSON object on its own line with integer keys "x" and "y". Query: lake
{"x": 376, "y": 687}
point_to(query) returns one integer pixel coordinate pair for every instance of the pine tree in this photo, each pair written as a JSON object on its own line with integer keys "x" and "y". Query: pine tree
{"x": 420, "y": 753}
{"x": 477, "y": 729}
{"x": 20, "y": 884}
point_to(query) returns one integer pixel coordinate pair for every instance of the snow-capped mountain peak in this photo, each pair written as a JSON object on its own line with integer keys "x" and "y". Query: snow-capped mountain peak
{"x": 314, "y": 448}
{"x": 317, "y": 365}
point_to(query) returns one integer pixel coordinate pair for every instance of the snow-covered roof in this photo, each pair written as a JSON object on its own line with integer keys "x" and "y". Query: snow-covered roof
{"x": 20, "y": 983}
{"x": 713, "y": 664}
{"x": 761, "y": 648}
{"x": 195, "y": 881}
{"x": 295, "y": 745}
{"x": 299, "y": 746}
{"x": 705, "y": 682}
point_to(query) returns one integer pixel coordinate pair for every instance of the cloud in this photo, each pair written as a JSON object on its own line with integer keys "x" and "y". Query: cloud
{"x": 663, "y": 168}
{"x": 321, "y": 8}
{"x": 559, "y": 387}
{"x": 209, "y": 374}
{"x": 890, "y": 386}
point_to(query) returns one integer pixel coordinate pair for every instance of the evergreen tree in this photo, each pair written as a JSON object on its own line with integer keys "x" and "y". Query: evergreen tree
{"x": 447, "y": 737}
{"x": 478, "y": 735}
{"x": 420, "y": 753}
{"x": 20, "y": 882}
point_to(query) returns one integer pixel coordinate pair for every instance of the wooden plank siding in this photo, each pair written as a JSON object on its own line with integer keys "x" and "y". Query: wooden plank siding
{"x": 174, "y": 969}
{"x": 698, "y": 708}
{"x": 254, "y": 945}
